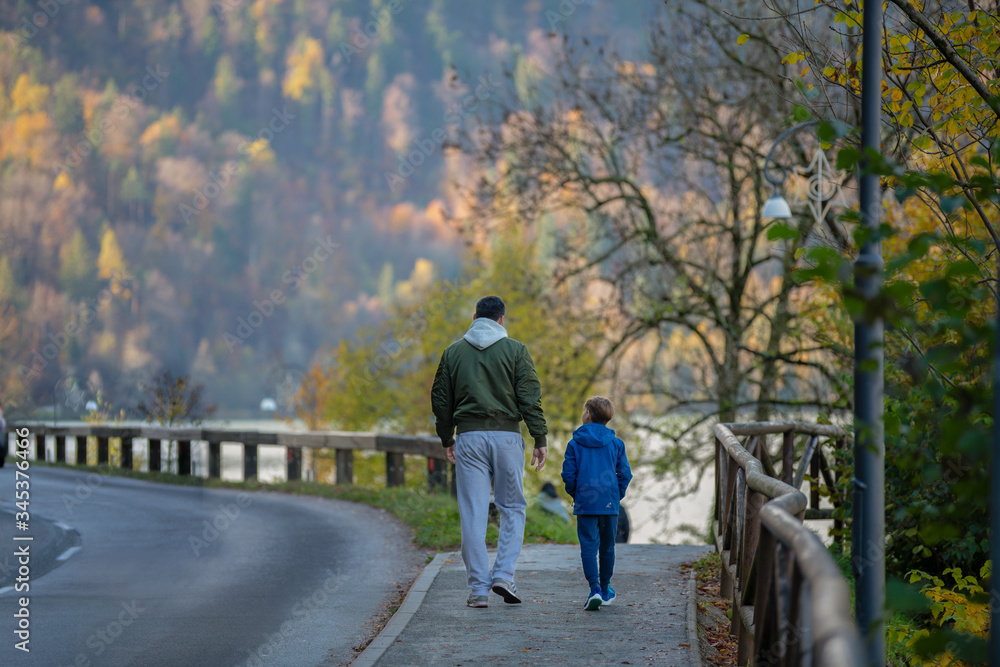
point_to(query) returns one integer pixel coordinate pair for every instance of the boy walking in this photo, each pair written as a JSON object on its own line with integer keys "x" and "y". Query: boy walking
{"x": 596, "y": 474}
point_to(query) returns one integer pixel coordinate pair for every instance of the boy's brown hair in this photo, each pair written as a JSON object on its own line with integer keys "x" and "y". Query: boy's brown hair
{"x": 601, "y": 409}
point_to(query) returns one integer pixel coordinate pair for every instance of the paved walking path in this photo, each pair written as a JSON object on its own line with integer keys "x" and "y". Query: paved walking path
{"x": 651, "y": 622}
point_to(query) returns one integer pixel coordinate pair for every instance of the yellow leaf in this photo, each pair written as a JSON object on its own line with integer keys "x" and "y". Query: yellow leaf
{"x": 110, "y": 262}
{"x": 27, "y": 96}
{"x": 62, "y": 181}
{"x": 303, "y": 68}
{"x": 742, "y": 39}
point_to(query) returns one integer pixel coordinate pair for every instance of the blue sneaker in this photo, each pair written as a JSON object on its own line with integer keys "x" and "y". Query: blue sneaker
{"x": 595, "y": 600}
{"x": 607, "y": 595}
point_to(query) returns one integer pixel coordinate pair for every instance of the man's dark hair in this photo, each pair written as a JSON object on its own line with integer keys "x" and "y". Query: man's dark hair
{"x": 491, "y": 307}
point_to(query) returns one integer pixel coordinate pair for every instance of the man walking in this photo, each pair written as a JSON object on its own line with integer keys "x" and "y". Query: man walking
{"x": 484, "y": 386}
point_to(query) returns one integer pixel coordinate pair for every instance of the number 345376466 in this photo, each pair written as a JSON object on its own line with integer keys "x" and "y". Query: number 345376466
{"x": 22, "y": 483}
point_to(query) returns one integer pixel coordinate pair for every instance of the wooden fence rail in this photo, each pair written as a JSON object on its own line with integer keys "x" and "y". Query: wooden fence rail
{"x": 344, "y": 443}
{"x": 791, "y": 604}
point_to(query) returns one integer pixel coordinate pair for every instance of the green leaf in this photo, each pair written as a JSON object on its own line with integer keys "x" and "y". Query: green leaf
{"x": 800, "y": 114}
{"x": 847, "y": 159}
{"x": 964, "y": 647}
{"x": 742, "y": 39}
{"x": 979, "y": 161}
{"x": 936, "y": 532}
{"x": 781, "y": 231}
{"x": 905, "y": 598}
{"x": 831, "y": 130}
{"x": 962, "y": 268}
{"x": 951, "y": 204}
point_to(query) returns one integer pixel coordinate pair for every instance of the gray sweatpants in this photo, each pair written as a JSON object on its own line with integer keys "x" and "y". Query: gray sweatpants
{"x": 482, "y": 458}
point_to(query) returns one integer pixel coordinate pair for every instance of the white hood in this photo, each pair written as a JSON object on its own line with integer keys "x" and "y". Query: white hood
{"x": 484, "y": 332}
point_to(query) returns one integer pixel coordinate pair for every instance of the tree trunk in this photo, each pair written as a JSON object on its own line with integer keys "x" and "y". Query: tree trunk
{"x": 729, "y": 381}
{"x": 770, "y": 367}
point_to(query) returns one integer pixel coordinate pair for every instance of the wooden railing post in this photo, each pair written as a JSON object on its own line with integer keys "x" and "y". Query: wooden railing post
{"x": 395, "y": 469}
{"x": 294, "y": 472}
{"x": 214, "y": 460}
{"x": 788, "y": 457}
{"x": 751, "y": 536}
{"x": 814, "y": 474}
{"x": 249, "y": 461}
{"x": 766, "y": 631}
{"x": 345, "y": 466}
{"x": 183, "y": 457}
{"x": 155, "y": 457}
{"x": 126, "y": 452}
{"x": 437, "y": 474}
{"x": 727, "y": 527}
{"x": 838, "y": 525}
{"x": 717, "y": 510}
{"x": 102, "y": 449}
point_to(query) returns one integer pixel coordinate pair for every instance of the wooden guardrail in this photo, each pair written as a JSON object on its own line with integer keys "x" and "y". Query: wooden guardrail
{"x": 344, "y": 443}
{"x": 791, "y": 604}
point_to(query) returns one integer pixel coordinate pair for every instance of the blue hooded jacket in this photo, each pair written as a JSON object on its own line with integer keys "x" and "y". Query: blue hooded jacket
{"x": 596, "y": 470}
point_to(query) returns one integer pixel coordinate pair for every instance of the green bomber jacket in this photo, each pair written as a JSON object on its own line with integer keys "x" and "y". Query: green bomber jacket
{"x": 486, "y": 381}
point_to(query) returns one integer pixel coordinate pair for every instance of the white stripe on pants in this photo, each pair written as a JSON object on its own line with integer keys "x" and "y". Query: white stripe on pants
{"x": 483, "y": 458}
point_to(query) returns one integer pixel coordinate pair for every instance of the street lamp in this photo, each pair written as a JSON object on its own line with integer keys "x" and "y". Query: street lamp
{"x": 868, "y": 498}
{"x": 776, "y": 206}
{"x": 822, "y": 185}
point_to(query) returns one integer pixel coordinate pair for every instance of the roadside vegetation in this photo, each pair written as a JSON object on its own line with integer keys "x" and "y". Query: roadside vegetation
{"x": 715, "y": 613}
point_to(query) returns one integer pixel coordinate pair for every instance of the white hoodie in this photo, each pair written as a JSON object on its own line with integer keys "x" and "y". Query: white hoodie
{"x": 484, "y": 332}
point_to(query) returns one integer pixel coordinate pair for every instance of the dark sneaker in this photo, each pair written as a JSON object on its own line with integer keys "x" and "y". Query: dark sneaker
{"x": 478, "y": 600}
{"x": 507, "y": 590}
{"x": 607, "y": 595}
{"x": 595, "y": 600}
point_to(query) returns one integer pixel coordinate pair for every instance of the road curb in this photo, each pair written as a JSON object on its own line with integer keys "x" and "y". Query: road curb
{"x": 692, "y": 619}
{"x": 406, "y": 611}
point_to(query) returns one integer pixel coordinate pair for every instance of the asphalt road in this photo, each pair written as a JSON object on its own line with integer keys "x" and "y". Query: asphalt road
{"x": 167, "y": 575}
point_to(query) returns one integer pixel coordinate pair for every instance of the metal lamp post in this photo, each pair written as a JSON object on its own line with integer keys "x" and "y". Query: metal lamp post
{"x": 994, "y": 637}
{"x": 868, "y": 530}
{"x": 868, "y": 538}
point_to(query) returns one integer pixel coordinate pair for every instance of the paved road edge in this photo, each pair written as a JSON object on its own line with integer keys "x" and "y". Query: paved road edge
{"x": 692, "y": 619}
{"x": 406, "y": 611}
{"x": 61, "y": 543}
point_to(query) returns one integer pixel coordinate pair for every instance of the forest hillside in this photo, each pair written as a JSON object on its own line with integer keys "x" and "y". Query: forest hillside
{"x": 222, "y": 189}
